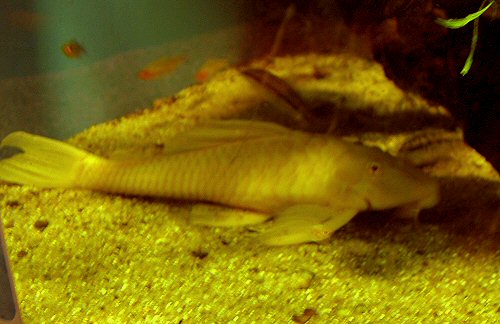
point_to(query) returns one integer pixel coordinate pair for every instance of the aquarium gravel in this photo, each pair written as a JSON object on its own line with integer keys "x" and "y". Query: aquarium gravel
{"x": 88, "y": 257}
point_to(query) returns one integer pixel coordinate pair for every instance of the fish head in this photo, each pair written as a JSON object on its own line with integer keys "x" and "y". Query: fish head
{"x": 383, "y": 181}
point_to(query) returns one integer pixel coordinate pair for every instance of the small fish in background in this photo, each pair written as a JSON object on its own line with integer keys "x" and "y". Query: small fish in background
{"x": 211, "y": 67}
{"x": 26, "y": 20}
{"x": 73, "y": 49}
{"x": 161, "y": 67}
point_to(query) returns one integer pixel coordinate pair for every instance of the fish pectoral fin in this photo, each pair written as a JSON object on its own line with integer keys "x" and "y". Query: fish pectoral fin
{"x": 221, "y": 132}
{"x": 306, "y": 223}
{"x": 214, "y": 215}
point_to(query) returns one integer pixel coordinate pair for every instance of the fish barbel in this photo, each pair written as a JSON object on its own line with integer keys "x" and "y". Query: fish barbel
{"x": 312, "y": 184}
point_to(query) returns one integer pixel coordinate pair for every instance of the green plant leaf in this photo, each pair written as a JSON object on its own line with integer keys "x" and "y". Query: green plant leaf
{"x": 457, "y": 23}
{"x": 468, "y": 62}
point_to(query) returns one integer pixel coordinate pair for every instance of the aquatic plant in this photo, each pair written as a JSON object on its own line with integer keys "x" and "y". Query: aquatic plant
{"x": 458, "y": 23}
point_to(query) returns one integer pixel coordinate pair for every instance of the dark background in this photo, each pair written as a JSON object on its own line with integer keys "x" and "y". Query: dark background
{"x": 418, "y": 54}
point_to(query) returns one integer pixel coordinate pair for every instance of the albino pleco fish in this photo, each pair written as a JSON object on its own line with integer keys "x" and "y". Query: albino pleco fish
{"x": 312, "y": 184}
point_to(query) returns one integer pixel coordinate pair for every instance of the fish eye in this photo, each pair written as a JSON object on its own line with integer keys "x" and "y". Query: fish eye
{"x": 374, "y": 168}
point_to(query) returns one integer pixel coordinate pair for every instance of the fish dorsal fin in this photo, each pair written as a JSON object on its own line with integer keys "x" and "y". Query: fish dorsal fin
{"x": 223, "y": 132}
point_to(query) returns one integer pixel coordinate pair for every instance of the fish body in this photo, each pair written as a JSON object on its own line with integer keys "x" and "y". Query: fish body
{"x": 25, "y": 19}
{"x": 73, "y": 49}
{"x": 210, "y": 68}
{"x": 161, "y": 67}
{"x": 312, "y": 183}
{"x": 263, "y": 174}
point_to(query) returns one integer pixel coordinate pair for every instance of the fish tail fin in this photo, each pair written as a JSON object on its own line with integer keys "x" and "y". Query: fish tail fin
{"x": 42, "y": 162}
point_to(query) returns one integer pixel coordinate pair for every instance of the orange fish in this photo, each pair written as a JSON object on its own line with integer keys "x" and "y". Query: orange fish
{"x": 73, "y": 49}
{"x": 161, "y": 67}
{"x": 210, "y": 67}
{"x": 26, "y": 20}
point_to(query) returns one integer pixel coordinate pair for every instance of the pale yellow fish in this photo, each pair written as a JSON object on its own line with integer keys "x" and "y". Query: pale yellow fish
{"x": 312, "y": 184}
